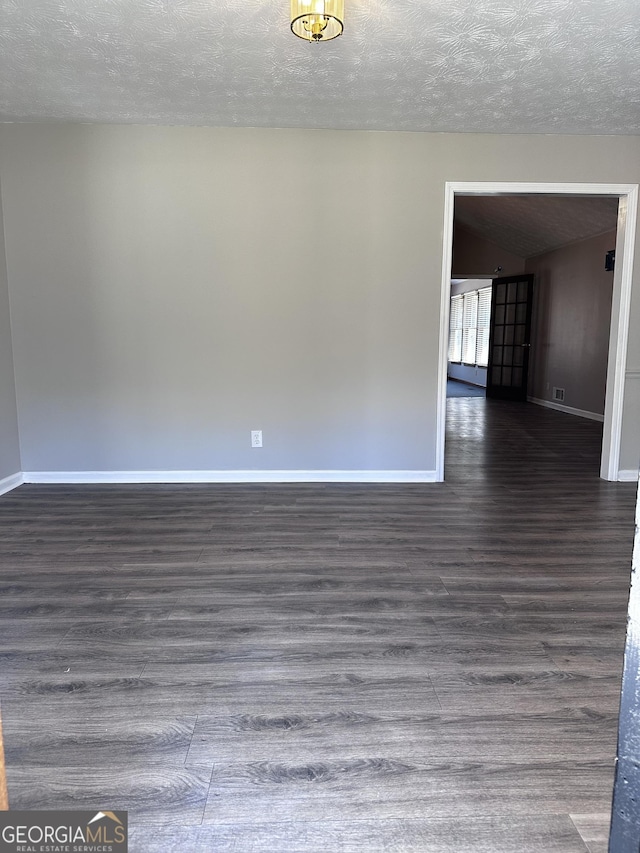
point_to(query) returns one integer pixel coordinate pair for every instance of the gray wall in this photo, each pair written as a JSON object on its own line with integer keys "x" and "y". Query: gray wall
{"x": 174, "y": 288}
{"x": 9, "y": 442}
{"x": 572, "y": 319}
{"x": 468, "y": 373}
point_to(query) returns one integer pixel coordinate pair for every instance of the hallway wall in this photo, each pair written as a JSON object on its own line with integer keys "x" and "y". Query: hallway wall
{"x": 572, "y": 318}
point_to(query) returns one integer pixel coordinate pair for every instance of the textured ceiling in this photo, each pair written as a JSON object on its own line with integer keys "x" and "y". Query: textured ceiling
{"x": 532, "y": 224}
{"x": 519, "y": 66}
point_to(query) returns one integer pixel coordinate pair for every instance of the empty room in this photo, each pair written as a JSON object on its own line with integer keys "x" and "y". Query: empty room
{"x": 264, "y": 587}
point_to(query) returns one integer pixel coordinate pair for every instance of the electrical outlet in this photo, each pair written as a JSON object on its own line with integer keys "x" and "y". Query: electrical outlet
{"x": 256, "y": 438}
{"x": 558, "y": 394}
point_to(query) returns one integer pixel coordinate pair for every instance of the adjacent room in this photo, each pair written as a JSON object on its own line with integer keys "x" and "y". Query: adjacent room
{"x": 264, "y": 587}
{"x": 568, "y": 244}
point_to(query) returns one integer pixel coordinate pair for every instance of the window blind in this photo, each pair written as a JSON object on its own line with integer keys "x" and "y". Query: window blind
{"x": 455, "y": 329}
{"x": 469, "y": 327}
{"x": 484, "y": 319}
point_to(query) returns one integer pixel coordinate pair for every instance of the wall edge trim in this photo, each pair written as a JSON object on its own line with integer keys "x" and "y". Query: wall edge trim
{"x": 569, "y": 410}
{"x": 231, "y": 476}
{"x": 11, "y": 482}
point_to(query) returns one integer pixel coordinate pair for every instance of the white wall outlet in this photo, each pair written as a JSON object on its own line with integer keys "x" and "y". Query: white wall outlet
{"x": 256, "y": 438}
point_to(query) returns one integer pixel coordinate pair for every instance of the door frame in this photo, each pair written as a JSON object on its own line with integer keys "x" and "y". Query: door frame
{"x": 620, "y": 308}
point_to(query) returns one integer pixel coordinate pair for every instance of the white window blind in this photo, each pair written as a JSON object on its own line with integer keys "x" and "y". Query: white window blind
{"x": 455, "y": 329}
{"x": 484, "y": 318}
{"x": 469, "y": 327}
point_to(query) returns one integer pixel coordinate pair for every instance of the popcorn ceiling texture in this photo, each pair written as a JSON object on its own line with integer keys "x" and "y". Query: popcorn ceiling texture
{"x": 532, "y": 224}
{"x": 497, "y": 66}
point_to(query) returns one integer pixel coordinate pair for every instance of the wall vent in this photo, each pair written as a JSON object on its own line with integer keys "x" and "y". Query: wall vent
{"x": 558, "y": 395}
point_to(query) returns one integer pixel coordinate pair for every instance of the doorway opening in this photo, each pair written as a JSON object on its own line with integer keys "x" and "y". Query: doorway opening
{"x": 626, "y": 196}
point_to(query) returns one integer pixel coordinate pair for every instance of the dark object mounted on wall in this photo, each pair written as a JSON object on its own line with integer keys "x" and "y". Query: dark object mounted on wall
{"x": 610, "y": 260}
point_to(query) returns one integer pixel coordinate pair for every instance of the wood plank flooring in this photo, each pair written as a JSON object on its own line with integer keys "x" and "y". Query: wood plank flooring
{"x": 4, "y": 799}
{"x": 339, "y": 668}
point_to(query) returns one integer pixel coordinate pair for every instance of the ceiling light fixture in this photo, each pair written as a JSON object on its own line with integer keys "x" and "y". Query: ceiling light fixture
{"x": 317, "y": 20}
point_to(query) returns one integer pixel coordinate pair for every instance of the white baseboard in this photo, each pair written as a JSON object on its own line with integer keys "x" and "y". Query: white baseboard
{"x": 285, "y": 476}
{"x": 569, "y": 410}
{"x": 12, "y": 482}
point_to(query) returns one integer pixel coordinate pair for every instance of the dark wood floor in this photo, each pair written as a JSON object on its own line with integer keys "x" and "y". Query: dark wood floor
{"x": 280, "y": 668}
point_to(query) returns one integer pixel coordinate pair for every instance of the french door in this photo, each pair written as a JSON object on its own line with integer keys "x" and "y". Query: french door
{"x": 510, "y": 337}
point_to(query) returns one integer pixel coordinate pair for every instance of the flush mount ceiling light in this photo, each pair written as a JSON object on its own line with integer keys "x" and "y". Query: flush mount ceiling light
{"x": 317, "y": 20}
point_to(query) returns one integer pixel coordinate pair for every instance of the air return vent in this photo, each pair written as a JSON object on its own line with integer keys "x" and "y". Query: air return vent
{"x": 558, "y": 395}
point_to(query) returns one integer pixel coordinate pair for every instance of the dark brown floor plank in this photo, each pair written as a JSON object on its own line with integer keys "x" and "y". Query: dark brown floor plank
{"x": 150, "y": 789}
{"x": 379, "y": 787}
{"x": 552, "y": 834}
{"x": 594, "y": 830}
{"x": 508, "y": 737}
{"x": 100, "y": 740}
